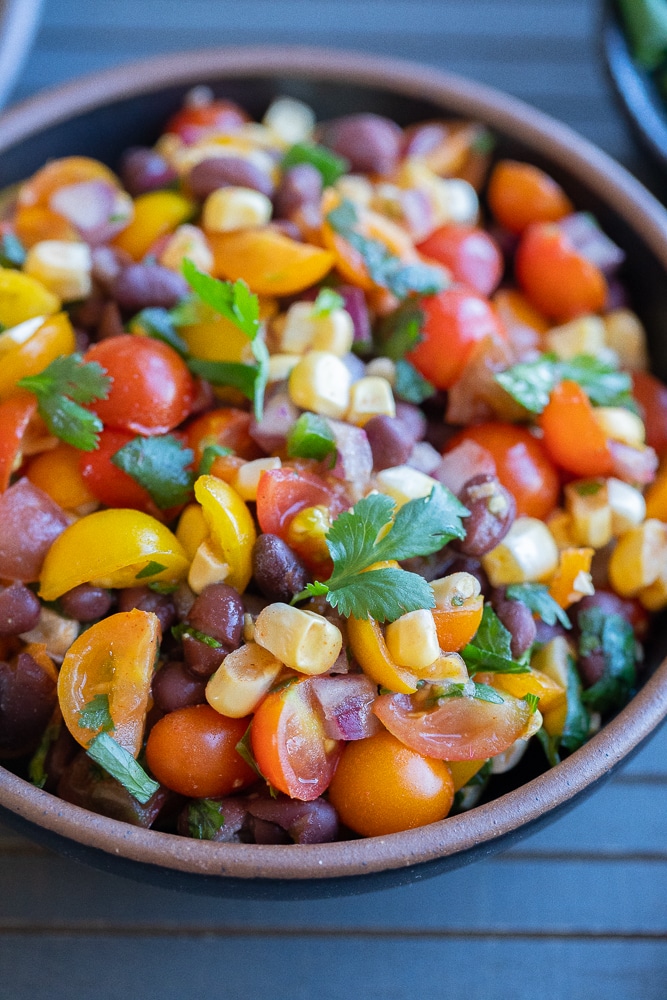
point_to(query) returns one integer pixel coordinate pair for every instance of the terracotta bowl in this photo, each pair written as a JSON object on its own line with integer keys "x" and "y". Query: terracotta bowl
{"x": 102, "y": 115}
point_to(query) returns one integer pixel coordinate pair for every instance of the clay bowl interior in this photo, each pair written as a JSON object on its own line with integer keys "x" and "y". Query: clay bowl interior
{"x": 104, "y": 114}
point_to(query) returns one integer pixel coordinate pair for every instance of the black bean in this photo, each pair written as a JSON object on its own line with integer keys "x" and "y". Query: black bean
{"x": 390, "y": 440}
{"x": 19, "y": 609}
{"x": 202, "y": 660}
{"x": 174, "y": 687}
{"x": 609, "y": 604}
{"x": 277, "y": 570}
{"x": 141, "y": 286}
{"x": 300, "y": 185}
{"x": 228, "y": 171}
{"x": 218, "y": 613}
{"x": 143, "y": 169}
{"x": 492, "y": 512}
{"x": 517, "y": 619}
{"x": 111, "y": 322}
{"x": 86, "y": 603}
{"x": 371, "y": 143}
{"x": 146, "y": 599}
{"x": 27, "y": 700}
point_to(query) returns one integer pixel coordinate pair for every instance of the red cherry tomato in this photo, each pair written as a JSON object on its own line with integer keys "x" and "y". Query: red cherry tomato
{"x": 289, "y": 743}
{"x": 109, "y": 484}
{"x": 282, "y": 493}
{"x": 519, "y": 194}
{"x": 522, "y": 465}
{"x": 557, "y": 279}
{"x": 651, "y": 394}
{"x": 152, "y": 389}
{"x": 15, "y": 415}
{"x": 455, "y": 320}
{"x": 193, "y": 123}
{"x": 227, "y": 427}
{"x": 572, "y": 437}
{"x": 472, "y": 256}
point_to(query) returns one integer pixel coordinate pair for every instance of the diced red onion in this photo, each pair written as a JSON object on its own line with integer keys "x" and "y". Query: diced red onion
{"x": 425, "y": 458}
{"x": 346, "y": 702}
{"x": 280, "y": 414}
{"x": 354, "y": 461}
{"x": 355, "y": 304}
{"x": 29, "y": 522}
{"x": 412, "y": 418}
{"x": 354, "y": 365}
{"x": 633, "y": 465}
{"x": 586, "y": 236}
{"x": 460, "y": 464}
{"x": 97, "y": 209}
{"x": 313, "y": 822}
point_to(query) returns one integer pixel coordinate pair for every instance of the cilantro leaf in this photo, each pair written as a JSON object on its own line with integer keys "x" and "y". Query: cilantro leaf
{"x": 234, "y": 300}
{"x": 36, "y": 767}
{"x": 327, "y": 301}
{"x": 352, "y": 536}
{"x": 178, "y": 631}
{"x": 484, "y": 692}
{"x": 614, "y": 636}
{"x": 161, "y": 465}
{"x": 204, "y": 819}
{"x": 549, "y": 744}
{"x": 531, "y": 383}
{"x": 209, "y": 455}
{"x": 389, "y": 592}
{"x": 383, "y": 267}
{"x": 401, "y": 330}
{"x": 248, "y": 379}
{"x": 60, "y": 389}
{"x": 159, "y": 324}
{"x": 329, "y": 164}
{"x": 244, "y": 750}
{"x": 95, "y": 715}
{"x": 491, "y": 649}
{"x": 577, "y": 720}
{"x": 410, "y": 385}
{"x": 423, "y": 526}
{"x": 537, "y": 597}
{"x": 151, "y": 568}
{"x": 121, "y": 765}
{"x": 532, "y": 700}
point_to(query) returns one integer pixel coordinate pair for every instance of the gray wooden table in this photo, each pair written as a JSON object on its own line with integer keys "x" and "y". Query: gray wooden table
{"x": 578, "y": 911}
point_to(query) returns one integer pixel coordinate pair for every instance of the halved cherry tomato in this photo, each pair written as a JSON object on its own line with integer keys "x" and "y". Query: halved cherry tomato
{"x": 107, "y": 483}
{"x": 193, "y": 752}
{"x": 15, "y": 415}
{"x": 573, "y": 439}
{"x": 61, "y": 173}
{"x": 114, "y": 657}
{"x": 557, "y": 279}
{"x": 651, "y": 394}
{"x": 282, "y": 493}
{"x": 457, "y": 728}
{"x": 231, "y": 527}
{"x": 520, "y": 194}
{"x": 381, "y": 786}
{"x": 370, "y": 650}
{"x": 454, "y": 321}
{"x": 199, "y": 120}
{"x": 227, "y": 427}
{"x": 152, "y": 389}
{"x": 57, "y": 472}
{"x": 551, "y": 694}
{"x": 472, "y": 256}
{"x": 457, "y": 625}
{"x": 269, "y": 262}
{"x": 289, "y": 743}
{"x": 522, "y": 465}
{"x": 34, "y": 223}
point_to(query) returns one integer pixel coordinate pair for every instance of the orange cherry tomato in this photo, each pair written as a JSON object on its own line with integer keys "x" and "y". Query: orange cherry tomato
{"x": 268, "y": 261}
{"x": 289, "y": 743}
{"x": 454, "y": 321}
{"x": 381, "y": 786}
{"x": 105, "y": 481}
{"x": 15, "y": 415}
{"x": 556, "y": 278}
{"x": 522, "y": 465}
{"x": 57, "y": 473}
{"x": 520, "y": 194}
{"x": 572, "y": 437}
{"x": 193, "y": 752}
{"x": 34, "y": 223}
{"x": 227, "y": 427}
{"x": 152, "y": 389}
{"x": 651, "y": 395}
{"x": 196, "y": 122}
{"x": 457, "y": 625}
{"x": 472, "y": 256}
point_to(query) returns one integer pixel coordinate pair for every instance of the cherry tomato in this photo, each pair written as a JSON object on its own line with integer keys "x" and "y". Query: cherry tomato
{"x": 193, "y": 752}
{"x": 57, "y": 472}
{"x": 109, "y": 484}
{"x": 555, "y": 277}
{"x": 457, "y": 625}
{"x": 289, "y": 743}
{"x": 199, "y": 120}
{"x": 381, "y": 786}
{"x": 572, "y": 437}
{"x": 283, "y": 493}
{"x": 227, "y": 427}
{"x": 15, "y": 415}
{"x": 651, "y": 394}
{"x": 519, "y": 194}
{"x": 455, "y": 320}
{"x": 456, "y": 729}
{"x": 152, "y": 389}
{"x": 472, "y": 256}
{"x": 522, "y": 465}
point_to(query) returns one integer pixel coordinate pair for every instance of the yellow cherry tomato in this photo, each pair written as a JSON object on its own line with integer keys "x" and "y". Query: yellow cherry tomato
{"x": 155, "y": 214}
{"x": 58, "y": 473}
{"x": 112, "y": 548}
{"x": 114, "y": 657}
{"x": 28, "y": 348}
{"x": 192, "y": 529}
{"x": 231, "y": 527}
{"x": 22, "y": 297}
{"x": 551, "y": 694}
{"x": 463, "y": 770}
{"x": 369, "y": 648}
{"x": 269, "y": 262}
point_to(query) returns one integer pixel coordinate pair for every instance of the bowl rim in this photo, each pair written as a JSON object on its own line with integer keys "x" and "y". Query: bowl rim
{"x": 558, "y": 786}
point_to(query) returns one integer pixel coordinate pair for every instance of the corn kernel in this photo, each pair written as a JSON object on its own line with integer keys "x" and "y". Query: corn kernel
{"x": 527, "y": 554}
{"x": 304, "y": 329}
{"x": 404, "y": 483}
{"x": 626, "y": 337}
{"x": 552, "y": 659}
{"x": 356, "y": 189}
{"x": 454, "y": 590}
{"x": 447, "y": 667}
{"x": 63, "y": 267}
{"x": 639, "y": 558}
{"x": 334, "y": 332}
{"x": 300, "y": 639}
{"x": 370, "y": 396}
{"x": 585, "y": 335}
{"x": 320, "y": 382}
{"x": 231, "y": 208}
{"x": 242, "y": 679}
{"x": 621, "y": 425}
{"x": 187, "y": 242}
{"x": 628, "y": 507}
{"x": 560, "y": 524}
{"x": 412, "y": 640}
{"x": 53, "y": 631}
{"x": 384, "y": 367}
{"x": 453, "y": 201}
{"x": 280, "y": 366}
{"x": 246, "y": 481}
{"x": 206, "y": 567}
{"x": 292, "y": 121}
{"x": 587, "y": 502}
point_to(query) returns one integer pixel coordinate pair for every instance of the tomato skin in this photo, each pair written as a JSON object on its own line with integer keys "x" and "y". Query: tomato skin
{"x": 472, "y": 256}
{"x": 283, "y": 493}
{"x": 572, "y": 436}
{"x": 152, "y": 390}
{"x": 109, "y": 484}
{"x": 455, "y": 320}
{"x": 381, "y": 786}
{"x": 555, "y": 277}
{"x": 290, "y": 745}
{"x": 520, "y": 194}
{"x": 195, "y": 122}
{"x": 193, "y": 751}
{"x": 651, "y": 394}
{"x": 522, "y": 465}
{"x": 15, "y": 415}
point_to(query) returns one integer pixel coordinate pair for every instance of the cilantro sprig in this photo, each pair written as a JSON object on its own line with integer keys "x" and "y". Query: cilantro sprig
{"x": 531, "y": 383}
{"x": 162, "y": 465}
{"x": 65, "y": 384}
{"x": 329, "y": 164}
{"x": 490, "y": 649}
{"x": 614, "y": 637}
{"x": 375, "y": 531}
{"x": 204, "y": 819}
{"x": 121, "y": 765}
{"x": 537, "y": 598}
